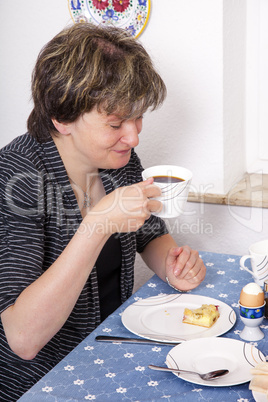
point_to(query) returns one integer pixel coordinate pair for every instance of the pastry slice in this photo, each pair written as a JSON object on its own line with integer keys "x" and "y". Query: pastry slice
{"x": 205, "y": 316}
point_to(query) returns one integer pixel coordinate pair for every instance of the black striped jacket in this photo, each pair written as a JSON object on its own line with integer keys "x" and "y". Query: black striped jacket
{"x": 38, "y": 217}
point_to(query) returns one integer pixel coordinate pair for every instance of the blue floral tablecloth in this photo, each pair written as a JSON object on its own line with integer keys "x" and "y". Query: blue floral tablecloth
{"x": 97, "y": 371}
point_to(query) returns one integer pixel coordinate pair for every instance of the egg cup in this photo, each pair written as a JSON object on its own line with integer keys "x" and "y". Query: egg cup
{"x": 252, "y": 317}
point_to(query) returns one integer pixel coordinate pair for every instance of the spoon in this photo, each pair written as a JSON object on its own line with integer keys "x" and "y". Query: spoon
{"x": 207, "y": 376}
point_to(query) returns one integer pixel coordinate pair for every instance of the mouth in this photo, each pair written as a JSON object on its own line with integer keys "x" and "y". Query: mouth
{"x": 123, "y": 152}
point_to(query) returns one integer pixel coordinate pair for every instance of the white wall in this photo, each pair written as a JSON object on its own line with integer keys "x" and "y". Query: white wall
{"x": 198, "y": 46}
{"x": 25, "y": 27}
{"x": 220, "y": 228}
{"x": 185, "y": 41}
{"x": 257, "y": 86}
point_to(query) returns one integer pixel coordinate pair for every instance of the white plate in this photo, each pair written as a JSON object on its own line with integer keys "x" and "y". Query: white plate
{"x": 160, "y": 318}
{"x": 259, "y": 396}
{"x": 203, "y": 355}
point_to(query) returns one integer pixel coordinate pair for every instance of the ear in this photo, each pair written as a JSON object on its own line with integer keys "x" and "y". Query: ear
{"x": 63, "y": 128}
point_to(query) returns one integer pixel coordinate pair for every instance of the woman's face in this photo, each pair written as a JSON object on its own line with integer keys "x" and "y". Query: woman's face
{"x": 102, "y": 141}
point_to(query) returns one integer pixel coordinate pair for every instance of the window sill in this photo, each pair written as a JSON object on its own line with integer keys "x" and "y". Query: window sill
{"x": 251, "y": 191}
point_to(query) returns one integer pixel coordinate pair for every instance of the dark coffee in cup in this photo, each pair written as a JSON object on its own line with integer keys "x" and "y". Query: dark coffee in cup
{"x": 167, "y": 179}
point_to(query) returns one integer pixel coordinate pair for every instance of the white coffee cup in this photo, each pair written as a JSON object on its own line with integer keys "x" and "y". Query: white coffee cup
{"x": 174, "y": 195}
{"x": 259, "y": 261}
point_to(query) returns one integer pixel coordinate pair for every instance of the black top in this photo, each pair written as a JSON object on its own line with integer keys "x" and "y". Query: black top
{"x": 39, "y": 215}
{"x": 108, "y": 272}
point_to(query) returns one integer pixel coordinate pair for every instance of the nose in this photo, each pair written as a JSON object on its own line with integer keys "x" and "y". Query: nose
{"x": 131, "y": 133}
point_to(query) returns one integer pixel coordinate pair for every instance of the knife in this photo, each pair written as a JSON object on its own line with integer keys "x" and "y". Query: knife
{"x": 107, "y": 338}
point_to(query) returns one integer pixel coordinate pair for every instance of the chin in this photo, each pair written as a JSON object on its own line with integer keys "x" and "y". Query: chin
{"x": 121, "y": 162}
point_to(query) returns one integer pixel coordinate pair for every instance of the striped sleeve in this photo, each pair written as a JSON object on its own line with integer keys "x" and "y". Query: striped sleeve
{"x": 21, "y": 227}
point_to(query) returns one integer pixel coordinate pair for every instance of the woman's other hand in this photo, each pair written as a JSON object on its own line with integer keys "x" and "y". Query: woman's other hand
{"x": 185, "y": 270}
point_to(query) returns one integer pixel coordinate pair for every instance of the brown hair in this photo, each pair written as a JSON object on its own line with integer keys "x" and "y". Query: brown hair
{"x": 86, "y": 66}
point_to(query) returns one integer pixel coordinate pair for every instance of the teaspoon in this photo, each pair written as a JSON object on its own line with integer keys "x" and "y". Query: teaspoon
{"x": 207, "y": 376}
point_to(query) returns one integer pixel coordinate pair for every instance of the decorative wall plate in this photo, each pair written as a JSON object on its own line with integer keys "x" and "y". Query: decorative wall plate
{"x": 131, "y": 15}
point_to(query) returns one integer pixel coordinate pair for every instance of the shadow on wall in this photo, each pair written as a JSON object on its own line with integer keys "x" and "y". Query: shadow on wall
{"x": 141, "y": 273}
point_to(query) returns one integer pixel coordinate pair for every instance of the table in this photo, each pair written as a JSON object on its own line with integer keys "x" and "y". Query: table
{"x": 97, "y": 371}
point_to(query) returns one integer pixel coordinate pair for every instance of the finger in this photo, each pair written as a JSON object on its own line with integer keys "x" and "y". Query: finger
{"x": 145, "y": 210}
{"x": 154, "y": 206}
{"x": 152, "y": 191}
{"x": 145, "y": 183}
{"x": 190, "y": 270}
{"x": 171, "y": 259}
{"x": 183, "y": 262}
{"x": 141, "y": 187}
{"x": 186, "y": 262}
{"x": 196, "y": 275}
{"x": 196, "y": 272}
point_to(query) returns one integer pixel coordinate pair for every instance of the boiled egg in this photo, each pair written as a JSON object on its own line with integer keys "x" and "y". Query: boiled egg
{"x": 252, "y": 295}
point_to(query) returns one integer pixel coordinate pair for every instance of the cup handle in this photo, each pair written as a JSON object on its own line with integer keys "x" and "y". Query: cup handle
{"x": 242, "y": 265}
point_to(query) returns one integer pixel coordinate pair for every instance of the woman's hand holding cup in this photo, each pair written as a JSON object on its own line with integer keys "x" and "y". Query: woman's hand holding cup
{"x": 127, "y": 208}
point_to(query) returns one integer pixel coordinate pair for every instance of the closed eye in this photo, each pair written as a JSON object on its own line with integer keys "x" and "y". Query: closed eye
{"x": 116, "y": 127}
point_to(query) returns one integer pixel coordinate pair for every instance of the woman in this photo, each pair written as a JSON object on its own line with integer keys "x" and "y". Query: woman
{"x": 74, "y": 209}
